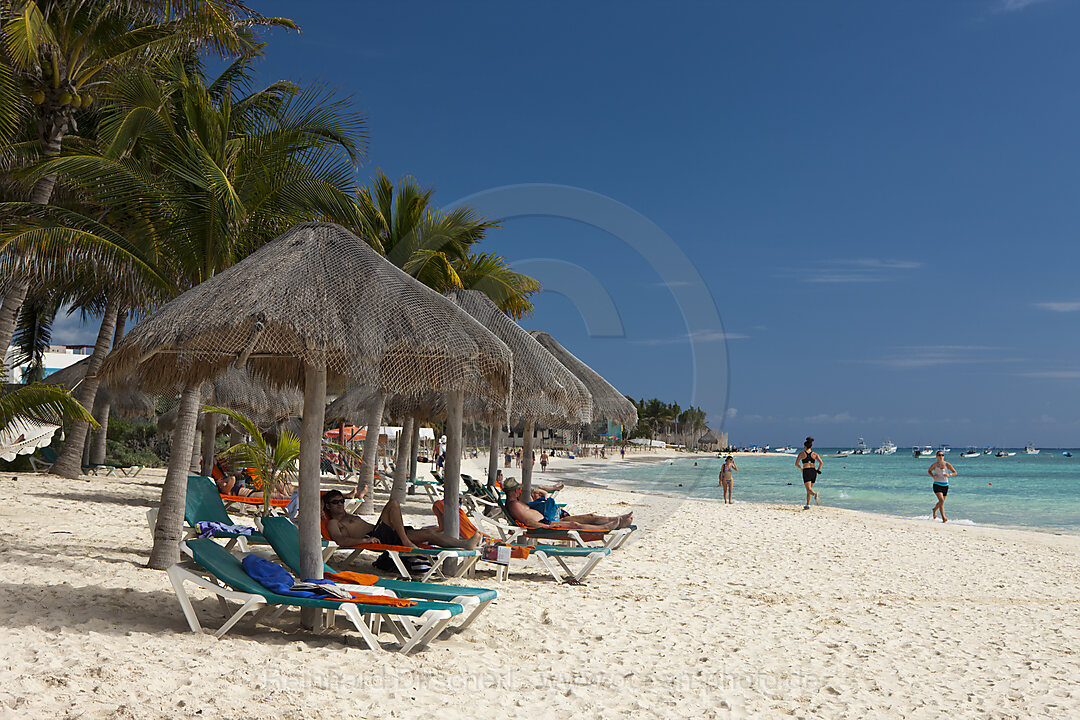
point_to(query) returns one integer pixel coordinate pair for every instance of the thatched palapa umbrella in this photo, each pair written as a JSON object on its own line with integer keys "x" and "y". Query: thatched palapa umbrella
{"x": 544, "y": 391}
{"x": 608, "y": 403}
{"x": 316, "y": 306}
{"x": 129, "y": 401}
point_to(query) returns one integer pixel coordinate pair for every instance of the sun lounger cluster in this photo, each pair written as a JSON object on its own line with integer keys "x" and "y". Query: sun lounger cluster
{"x": 414, "y": 613}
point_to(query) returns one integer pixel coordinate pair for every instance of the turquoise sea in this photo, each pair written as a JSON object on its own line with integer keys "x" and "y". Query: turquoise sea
{"x": 1030, "y": 491}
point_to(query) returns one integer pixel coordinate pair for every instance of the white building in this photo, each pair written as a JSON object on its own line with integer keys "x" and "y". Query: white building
{"x": 57, "y": 357}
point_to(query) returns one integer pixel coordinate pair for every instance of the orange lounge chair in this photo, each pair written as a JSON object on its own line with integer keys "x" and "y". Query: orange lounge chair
{"x": 437, "y": 555}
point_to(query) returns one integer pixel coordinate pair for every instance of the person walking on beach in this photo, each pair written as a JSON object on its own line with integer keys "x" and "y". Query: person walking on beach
{"x": 941, "y": 471}
{"x": 810, "y": 464}
{"x": 543, "y": 461}
{"x": 726, "y": 478}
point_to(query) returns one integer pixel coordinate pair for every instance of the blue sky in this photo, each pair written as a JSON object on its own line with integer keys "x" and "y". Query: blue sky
{"x": 880, "y": 197}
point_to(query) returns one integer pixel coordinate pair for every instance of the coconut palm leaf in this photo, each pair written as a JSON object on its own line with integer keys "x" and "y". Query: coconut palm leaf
{"x": 38, "y": 403}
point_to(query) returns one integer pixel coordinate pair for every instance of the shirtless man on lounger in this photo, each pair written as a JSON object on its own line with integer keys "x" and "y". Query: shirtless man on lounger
{"x": 349, "y": 530}
{"x": 524, "y": 514}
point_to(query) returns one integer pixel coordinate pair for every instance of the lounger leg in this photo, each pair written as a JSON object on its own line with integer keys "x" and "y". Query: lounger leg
{"x": 244, "y": 610}
{"x": 472, "y": 616}
{"x": 396, "y": 557}
{"x": 176, "y": 577}
{"x": 432, "y": 626}
{"x": 588, "y": 568}
{"x": 542, "y": 557}
{"x": 361, "y": 627}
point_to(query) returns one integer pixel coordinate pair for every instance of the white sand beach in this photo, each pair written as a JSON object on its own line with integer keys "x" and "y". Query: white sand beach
{"x": 710, "y": 611}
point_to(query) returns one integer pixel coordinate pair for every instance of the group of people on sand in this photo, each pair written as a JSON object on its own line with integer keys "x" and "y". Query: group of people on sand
{"x": 809, "y": 462}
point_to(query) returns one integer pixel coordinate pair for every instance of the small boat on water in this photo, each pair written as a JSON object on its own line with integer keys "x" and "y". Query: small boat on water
{"x": 887, "y": 448}
{"x": 1004, "y": 453}
{"x": 862, "y": 448}
{"x": 970, "y": 453}
{"x": 1029, "y": 449}
{"x": 844, "y": 453}
{"x": 924, "y": 451}
{"x": 1066, "y": 454}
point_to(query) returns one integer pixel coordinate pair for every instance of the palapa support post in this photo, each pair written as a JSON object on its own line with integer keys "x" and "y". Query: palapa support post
{"x": 209, "y": 442}
{"x": 455, "y": 401}
{"x": 493, "y": 455}
{"x": 414, "y": 448}
{"x": 526, "y": 461}
{"x": 170, "y": 520}
{"x": 366, "y": 476}
{"x": 311, "y": 563}
{"x": 401, "y": 465}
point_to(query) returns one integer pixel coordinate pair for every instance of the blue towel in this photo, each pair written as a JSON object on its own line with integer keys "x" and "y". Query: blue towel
{"x": 548, "y": 508}
{"x": 209, "y": 528}
{"x": 277, "y": 579}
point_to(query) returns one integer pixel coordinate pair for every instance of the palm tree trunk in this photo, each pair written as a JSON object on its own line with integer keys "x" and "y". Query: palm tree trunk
{"x": 9, "y": 312}
{"x": 311, "y": 564}
{"x": 195, "y": 462}
{"x": 170, "y": 520}
{"x": 455, "y": 401}
{"x": 526, "y": 461}
{"x": 98, "y": 447}
{"x": 16, "y": 294}
{"x": 366, "y": 476}
{"x": 401, "y": 467}
{"x": 493, "y": 455}
{"x": 69, "y": 464}
{"x": 102, "y": 409}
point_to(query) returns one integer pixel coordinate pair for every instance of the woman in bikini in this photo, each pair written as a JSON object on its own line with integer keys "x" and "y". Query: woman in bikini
{"x": 726, "y": 478}
{"x": 810, "y": 464}
{"x": 941, "y": 471}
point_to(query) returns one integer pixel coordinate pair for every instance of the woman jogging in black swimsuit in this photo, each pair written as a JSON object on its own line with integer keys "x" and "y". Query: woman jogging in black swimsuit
{"x": 810, "y": 464}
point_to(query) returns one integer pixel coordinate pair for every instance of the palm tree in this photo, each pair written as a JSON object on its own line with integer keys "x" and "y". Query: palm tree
{"x": 64, "y": 55}
{"x": 209, "y": 174}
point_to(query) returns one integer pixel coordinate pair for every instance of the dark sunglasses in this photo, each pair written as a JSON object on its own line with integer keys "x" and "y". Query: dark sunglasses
{"x": 338, "y": 501}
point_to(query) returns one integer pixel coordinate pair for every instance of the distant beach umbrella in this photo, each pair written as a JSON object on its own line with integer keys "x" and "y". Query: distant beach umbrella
{"x": 125, "y": 399}
{"x": 608, "y": 403}
{"x": 314, "y": 307}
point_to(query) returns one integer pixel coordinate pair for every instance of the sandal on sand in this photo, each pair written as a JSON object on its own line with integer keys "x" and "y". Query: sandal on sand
{"x": 805, "y": 507}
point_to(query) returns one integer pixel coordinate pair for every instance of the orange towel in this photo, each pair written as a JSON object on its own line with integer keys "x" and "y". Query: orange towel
{"x": 348, "y": 577}
{"x": 254, "y": 500}
{"x": 377, "y": 600}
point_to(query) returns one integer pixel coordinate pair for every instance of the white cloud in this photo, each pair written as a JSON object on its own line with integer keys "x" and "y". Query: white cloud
{"x": 1005, "y": 6}
{"x": 918, "y": 356}
{"x": 731, "y": 412}
{"x": 1062, "y": 307}
{"x": 855, "y": 270}
{"x": 696, "y": 336}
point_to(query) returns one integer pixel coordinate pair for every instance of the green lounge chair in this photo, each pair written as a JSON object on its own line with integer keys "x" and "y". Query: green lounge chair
{"x": 228, "y": 581}
{"x": 47, "y": 460}
{"x": 284, "y": 537}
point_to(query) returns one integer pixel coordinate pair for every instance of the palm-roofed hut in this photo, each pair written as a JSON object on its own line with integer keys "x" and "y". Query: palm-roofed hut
{"x": 316, "y": 307}
{"x": 544, "y": 391}
{"x": 608, "y": 403}
{"x": 708, "y": 440}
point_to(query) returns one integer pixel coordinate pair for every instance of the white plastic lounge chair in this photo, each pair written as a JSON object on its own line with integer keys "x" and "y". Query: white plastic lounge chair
{"x": 414, "y": 626}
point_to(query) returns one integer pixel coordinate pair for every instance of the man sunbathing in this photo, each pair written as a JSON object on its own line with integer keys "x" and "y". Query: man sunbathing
{"x": 525, "y": 515}
{"x": 539, "y": 491}
{"x": 350, "y": 530}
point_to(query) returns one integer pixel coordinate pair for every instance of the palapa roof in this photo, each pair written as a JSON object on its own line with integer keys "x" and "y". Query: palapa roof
{"x": 543, "y": 389}
{"x": 608, "y": 403}
{"x": 317, "y": 293}
{"x": 127, "y": 401}
{"x": 708, "y": 438}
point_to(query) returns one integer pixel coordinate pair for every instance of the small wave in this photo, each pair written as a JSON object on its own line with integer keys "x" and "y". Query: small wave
{"x": 952, "y": 521}
{"x": 843, "y": 495}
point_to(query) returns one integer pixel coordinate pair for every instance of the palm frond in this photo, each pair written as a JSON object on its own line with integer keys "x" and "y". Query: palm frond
{"x": 39, "y": 403}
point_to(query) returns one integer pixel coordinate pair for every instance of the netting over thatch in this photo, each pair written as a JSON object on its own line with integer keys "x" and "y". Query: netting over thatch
{"x": 236, "y": 389}
{"x": 353, "y": 405}
{"x": 608, "y": 403}
{"x": 126, "y": 401}
{"x": 317, "y": 294}
{"x": 543, "y": 389}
